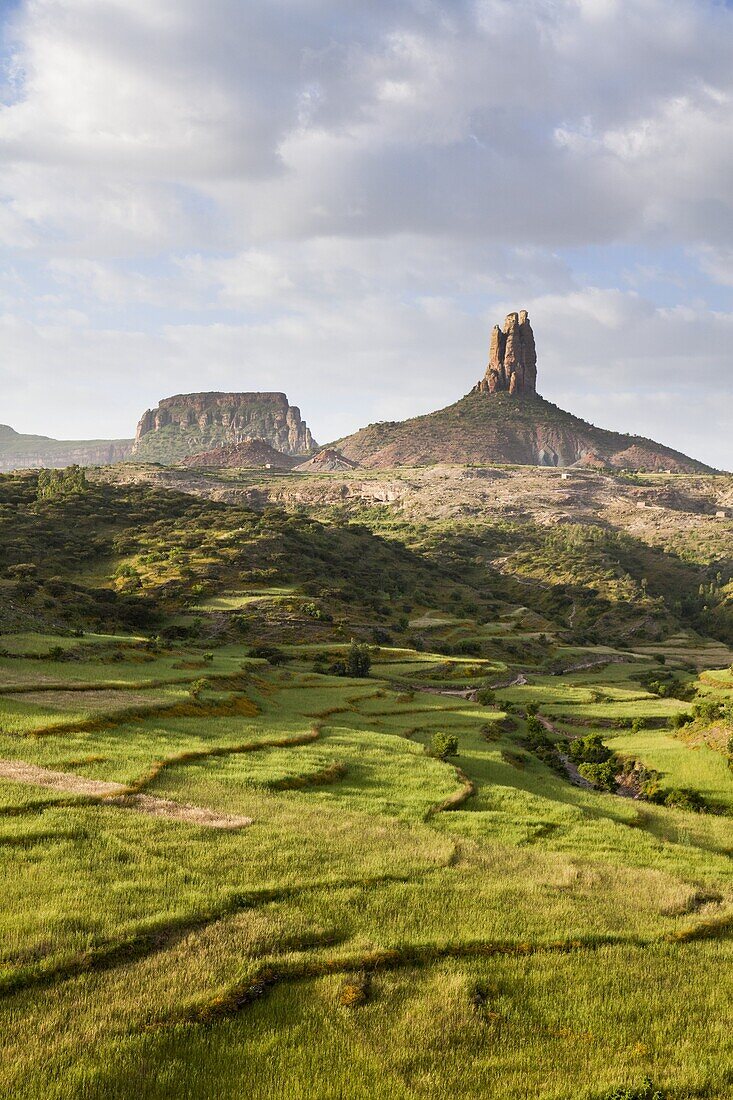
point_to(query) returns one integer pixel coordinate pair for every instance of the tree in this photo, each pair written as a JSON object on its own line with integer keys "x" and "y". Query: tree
{"x": 358, "y": 661}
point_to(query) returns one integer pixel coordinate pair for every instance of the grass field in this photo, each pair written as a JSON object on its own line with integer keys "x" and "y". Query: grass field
{"x": 390, "y": 925}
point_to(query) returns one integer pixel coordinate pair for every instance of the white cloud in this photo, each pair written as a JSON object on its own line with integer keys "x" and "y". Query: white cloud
{"x": 339, "y": 199}
{"x": 526, "y": 122}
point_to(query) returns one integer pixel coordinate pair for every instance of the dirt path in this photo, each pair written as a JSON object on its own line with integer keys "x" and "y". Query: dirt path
{"x": 18, "y": 771}
{"x": 452, "y": 693}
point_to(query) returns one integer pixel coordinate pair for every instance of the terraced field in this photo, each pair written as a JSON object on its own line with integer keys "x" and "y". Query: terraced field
{"x": 390, "y": 924}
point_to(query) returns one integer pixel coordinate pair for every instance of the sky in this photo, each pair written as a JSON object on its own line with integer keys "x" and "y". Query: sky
{"x": 339, "y": 198}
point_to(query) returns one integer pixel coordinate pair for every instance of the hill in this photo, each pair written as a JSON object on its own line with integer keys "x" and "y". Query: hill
{"x": 18, "y": 451}
{"x": 485, "y": 428}
{"x": 327, "y": 461}
{"x": 251, "y": 453}
{"x": 505, "y": 420}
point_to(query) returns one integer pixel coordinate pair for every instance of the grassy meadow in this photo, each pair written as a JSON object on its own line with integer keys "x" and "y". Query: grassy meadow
{"x": 368, "y": 910}
{"x": 391, "y": 924}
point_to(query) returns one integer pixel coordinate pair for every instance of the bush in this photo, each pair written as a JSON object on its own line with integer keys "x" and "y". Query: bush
{"x": 197, "y": 687}
{"x": 485, "y": 696}
{"x": 707, "y": 710}
{"x": 355, "y": 991}
{"x": 682, "y": 798}
{"x": 271, "y": 653}
{"x": 589, "y": 750}
{"x": 602, "y": 776}
{"x": 443, "y": 745}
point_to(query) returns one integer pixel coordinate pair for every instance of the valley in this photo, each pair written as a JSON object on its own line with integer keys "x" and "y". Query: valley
{"x": 463, "y": 735}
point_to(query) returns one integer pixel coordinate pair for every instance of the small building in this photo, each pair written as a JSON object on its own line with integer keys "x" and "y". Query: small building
{"x": 564, "y": 477}
{"x": 721, "y": 514}
{"x": 641, "y": 504}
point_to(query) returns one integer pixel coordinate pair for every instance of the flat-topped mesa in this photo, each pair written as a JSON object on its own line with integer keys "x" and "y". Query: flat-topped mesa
{"x": 190, "y": 423}
{"x": 512, "y": 358}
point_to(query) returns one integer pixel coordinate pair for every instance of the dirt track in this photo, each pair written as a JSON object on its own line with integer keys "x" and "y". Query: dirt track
{"x": 116, "y": 794}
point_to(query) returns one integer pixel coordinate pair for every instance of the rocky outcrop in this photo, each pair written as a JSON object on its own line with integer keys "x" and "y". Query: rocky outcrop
{"x": 512, "y": 358}
{"x": 190, "y": 423}
{"x": 33, "y": 452}
{"x": 251, "y": 453}
{"x": 327, "y": 461}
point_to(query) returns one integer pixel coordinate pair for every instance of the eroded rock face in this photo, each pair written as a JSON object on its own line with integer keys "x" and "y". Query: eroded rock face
{"x": 512, "y": 358}
{"x": 193, "y": 422}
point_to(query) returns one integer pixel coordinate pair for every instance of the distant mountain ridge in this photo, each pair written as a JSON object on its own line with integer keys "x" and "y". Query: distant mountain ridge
{"x": 19, "y": 451}
{"x": 503, "y": 420}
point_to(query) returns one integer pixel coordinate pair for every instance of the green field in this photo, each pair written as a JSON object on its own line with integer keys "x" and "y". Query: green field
{"x": 233, "y": 867}
{"x": 492, "y": 944}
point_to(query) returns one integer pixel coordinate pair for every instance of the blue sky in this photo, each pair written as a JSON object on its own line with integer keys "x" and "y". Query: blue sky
{"x": 340, "y": 201}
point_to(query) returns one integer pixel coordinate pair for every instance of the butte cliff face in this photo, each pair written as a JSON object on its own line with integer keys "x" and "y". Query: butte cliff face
{"x": 190, "y": 423}
{"x": 512, "y": 358}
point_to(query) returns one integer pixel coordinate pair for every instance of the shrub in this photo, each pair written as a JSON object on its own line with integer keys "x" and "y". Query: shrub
{"x": 602, "y": 776}
{"x": 443, "y": 745}
{"x": 707, "y": 710}
{"x": 589, "y": 750}
{"x": 485, "y": 696}
{"x": 682, "y": 798}
{"x": 355, "y": 991}
{"x": 535, "y": 727}
{"x": 271, "y": 653}
{"x": 197, "y": 687}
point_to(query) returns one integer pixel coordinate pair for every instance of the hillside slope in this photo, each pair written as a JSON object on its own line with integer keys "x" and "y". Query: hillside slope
{"x": 485, "y": 428}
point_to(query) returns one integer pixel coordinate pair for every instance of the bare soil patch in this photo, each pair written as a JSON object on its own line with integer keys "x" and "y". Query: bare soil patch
{"x": 117, "y": 794}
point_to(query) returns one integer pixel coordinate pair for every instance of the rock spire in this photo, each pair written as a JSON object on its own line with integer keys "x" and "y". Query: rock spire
{"x": 512, "y": 358}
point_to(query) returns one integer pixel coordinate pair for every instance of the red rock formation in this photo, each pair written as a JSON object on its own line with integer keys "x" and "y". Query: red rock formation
{"x": 328, "y": 460}
{"x": 248, "y": 453}
{"x": 512, "y": 358}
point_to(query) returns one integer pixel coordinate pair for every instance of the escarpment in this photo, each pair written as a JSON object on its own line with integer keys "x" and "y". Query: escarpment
{"x": 191, "y": 423}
